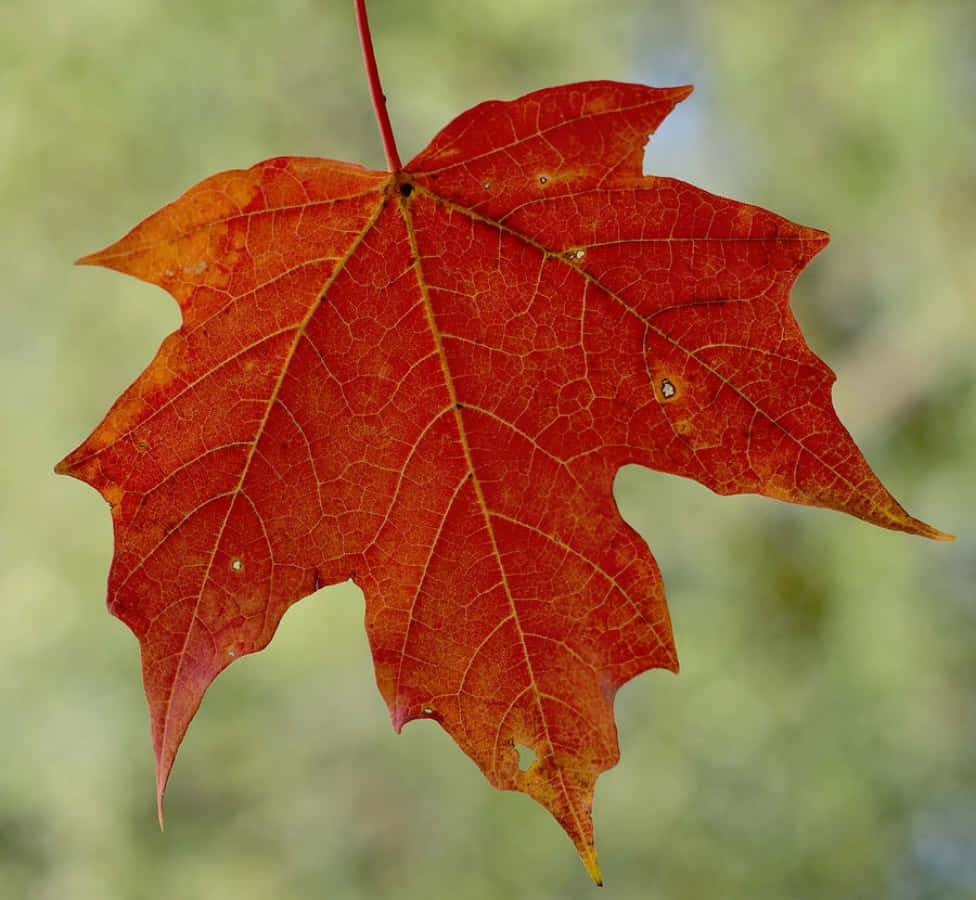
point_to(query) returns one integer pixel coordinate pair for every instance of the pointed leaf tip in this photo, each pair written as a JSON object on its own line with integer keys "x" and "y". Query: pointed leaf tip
{"x": 588, "y": 856}
{"x": 917, "y": 527}
{"x": 96, "y": 258}
{"x": 160, "y": 793}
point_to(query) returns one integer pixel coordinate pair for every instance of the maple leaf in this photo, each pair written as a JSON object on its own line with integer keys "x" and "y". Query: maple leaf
{"x": 425, "y": 381}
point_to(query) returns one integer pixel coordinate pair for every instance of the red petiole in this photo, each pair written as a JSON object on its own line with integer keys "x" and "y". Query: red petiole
{"x": 375, "y": 90}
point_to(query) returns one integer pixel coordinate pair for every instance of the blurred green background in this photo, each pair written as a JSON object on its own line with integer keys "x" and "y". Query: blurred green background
{"x": 819, "y": 741}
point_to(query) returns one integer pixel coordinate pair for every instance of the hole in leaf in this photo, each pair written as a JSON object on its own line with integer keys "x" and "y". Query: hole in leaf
{"x": 543, "y": 179}
{"x": 236, "y": 565}
{"x": 526, "y": 757}
{"x": 428, "y": 710}
{"x": 667, "y": 389}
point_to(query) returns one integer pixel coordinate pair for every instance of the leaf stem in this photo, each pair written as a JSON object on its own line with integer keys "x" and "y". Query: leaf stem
{"x": 375, "y": 90}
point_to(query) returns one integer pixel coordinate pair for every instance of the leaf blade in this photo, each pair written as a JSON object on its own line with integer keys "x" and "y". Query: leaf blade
{"x": 426, "y": 382}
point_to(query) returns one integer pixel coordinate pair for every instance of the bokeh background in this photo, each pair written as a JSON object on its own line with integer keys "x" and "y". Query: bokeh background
{"x": 819, "y": 740}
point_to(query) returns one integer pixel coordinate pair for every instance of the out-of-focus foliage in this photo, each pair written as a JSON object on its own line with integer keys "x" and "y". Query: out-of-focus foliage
{"x": 818, "y": 742}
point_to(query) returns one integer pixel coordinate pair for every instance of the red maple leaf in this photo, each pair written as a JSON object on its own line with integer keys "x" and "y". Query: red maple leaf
{"x": 425, "y": 381}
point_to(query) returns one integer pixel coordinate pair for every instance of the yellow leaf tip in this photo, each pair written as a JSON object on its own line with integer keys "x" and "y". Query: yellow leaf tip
{"x": 161, "y": 779}
{"x": 588, "y": 855}
{"x": 923, "y": 529}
